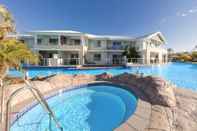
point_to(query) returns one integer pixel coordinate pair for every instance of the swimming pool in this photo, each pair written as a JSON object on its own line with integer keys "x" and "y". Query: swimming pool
{"x": 182, "y": 74}
{"x": 95, "y": 107}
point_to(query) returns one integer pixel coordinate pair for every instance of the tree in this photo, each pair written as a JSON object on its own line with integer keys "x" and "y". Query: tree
{"x": 6, "y": 22}
{"x": 194, "y": 55}
{"x": 185, "y": 57}
{"x": 131, "y": 53}
{"x": 170, "y": 51}
{"x": 12, "y": 52}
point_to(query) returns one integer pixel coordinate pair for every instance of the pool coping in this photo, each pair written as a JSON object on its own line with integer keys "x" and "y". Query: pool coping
{"x": 140, "y": 120}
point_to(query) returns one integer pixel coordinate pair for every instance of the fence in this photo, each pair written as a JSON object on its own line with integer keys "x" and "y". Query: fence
{"x": 135, "y": 61}
{"x": 59, "y": 61}
{"x": 76, "y": 61}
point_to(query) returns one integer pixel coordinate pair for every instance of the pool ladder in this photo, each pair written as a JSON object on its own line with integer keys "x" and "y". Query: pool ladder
{"x": 39, "y": 97}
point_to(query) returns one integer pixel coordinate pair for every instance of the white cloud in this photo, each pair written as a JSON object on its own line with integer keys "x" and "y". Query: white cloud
{"x": 183, "y": 14}
{"x": 163, "y": 20}
{"x": 193, "y": 11}
{"x": 186, "y": 13}
{"x": 178, "y": 14}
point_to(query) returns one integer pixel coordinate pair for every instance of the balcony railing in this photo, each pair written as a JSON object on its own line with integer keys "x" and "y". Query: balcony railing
{"x": 115, "y": 47}
{"x": 52, "y": 46}
{"x": 59, "y": 61}
{"x": 135, "y": 61}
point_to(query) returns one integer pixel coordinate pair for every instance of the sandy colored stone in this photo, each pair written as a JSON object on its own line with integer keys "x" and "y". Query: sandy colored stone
{"x": 159, "y": 119}
{"x": 157, "y": 90}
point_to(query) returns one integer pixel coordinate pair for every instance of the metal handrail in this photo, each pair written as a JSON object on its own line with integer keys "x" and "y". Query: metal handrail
{"x": 38, "y": 96}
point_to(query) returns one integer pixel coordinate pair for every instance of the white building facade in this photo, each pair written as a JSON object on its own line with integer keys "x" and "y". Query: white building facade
{"x": 65, "y": 48}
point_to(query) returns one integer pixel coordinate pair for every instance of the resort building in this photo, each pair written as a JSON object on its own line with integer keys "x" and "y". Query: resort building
{"x": 61, "y": 48}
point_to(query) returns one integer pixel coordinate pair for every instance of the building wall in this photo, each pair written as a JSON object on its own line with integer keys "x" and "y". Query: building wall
{"x": 91, "y": 46}
{"x": 106, "y": 58}
{"x": 153, "y": 47}
{"x": 91, "y": 60}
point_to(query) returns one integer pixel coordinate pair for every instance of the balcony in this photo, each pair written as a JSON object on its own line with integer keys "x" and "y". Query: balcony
{"x": 57, "y": 46}
{"x": 114, "y": 47}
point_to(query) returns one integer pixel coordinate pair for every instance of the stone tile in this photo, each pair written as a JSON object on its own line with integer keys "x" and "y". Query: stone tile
{"x": 159, "y": 119}
{"x": 143, "y": 104}
{"x": 138, "y": 123}
{"x": 125, "y": 127}
{"x": 143, "y": 110}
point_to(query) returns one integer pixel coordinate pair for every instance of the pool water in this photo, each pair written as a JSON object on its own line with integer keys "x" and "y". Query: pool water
{"x": 182, "y": 74}
{"x": 98, "y": 107}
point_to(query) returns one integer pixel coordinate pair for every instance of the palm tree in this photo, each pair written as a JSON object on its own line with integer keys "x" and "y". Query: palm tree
{"x": 6, "y": 22}
{"x": 12, "y": 51}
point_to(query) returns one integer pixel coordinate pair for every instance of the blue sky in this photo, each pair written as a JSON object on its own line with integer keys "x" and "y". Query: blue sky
{"x": 176, "y": 19}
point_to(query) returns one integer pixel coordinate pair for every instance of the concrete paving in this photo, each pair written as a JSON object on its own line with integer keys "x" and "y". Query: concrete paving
{"x": 140, "y": 120}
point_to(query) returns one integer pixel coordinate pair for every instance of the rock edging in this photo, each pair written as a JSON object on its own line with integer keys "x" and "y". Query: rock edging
{"x": 158, "y": 90}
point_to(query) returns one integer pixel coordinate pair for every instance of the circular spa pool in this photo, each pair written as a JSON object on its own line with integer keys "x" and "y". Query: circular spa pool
{"x": 96, "y": 107}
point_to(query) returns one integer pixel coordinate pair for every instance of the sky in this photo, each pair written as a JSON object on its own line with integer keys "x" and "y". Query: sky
{"x": 176, "y": 19}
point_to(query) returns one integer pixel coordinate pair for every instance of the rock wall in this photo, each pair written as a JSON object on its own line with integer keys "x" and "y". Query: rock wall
{"x": 157, "y": 90}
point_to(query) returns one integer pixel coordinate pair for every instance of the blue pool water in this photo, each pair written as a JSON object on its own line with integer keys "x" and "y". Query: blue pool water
{"x": 181, "y": 74}
{"x": 98, "y": 107}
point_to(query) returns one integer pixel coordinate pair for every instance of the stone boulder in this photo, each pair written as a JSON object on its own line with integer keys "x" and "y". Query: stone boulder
{"x": 67, "y": 81}
{"x": 157, "y": 90}
{"x": 104, "y": 76}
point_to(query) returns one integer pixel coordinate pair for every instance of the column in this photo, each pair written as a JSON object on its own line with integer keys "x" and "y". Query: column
{"x": 160, "y": 57}
{"x": 147, "y": 57}
{"x": 35, "y": 41}
{"x": 59, "y": 40}
{"x": 82, "y": 50}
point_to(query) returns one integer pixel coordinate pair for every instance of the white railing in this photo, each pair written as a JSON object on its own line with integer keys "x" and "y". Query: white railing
{"x": 116, "y": 61}
{"x": 50, "y": 46}
{"x": 77, "y": 61}
{"x": 105, "y": 61}
{"x": 131, "y": 61}
{"x": 59, "y": 61}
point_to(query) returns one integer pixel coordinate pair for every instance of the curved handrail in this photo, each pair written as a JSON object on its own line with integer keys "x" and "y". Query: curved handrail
{"x": 38, "y": 96}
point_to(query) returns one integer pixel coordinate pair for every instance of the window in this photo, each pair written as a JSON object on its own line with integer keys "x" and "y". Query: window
{"x": 22, "y": 41}
{"x": 116, "y": 45}
{"x": 63, "y": 40}
{"x": 74, "y": 56}
{"x": 133, "y": 43}
{"x": 77, "y": 42}
{"x": 53, "y": 41}
{"x": 97, "y": 57}
{"x": 39, "y": 40}
{"x": 74, "y": 59}
{"x": 98, "y": 43}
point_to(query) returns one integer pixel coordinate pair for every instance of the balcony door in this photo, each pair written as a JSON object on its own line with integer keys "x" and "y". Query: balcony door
{"x": 116, "y": 59}
{"x": 74, "y": 59}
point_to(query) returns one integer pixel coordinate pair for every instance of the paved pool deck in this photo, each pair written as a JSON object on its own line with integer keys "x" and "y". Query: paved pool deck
{"x": 140, "y": 120}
